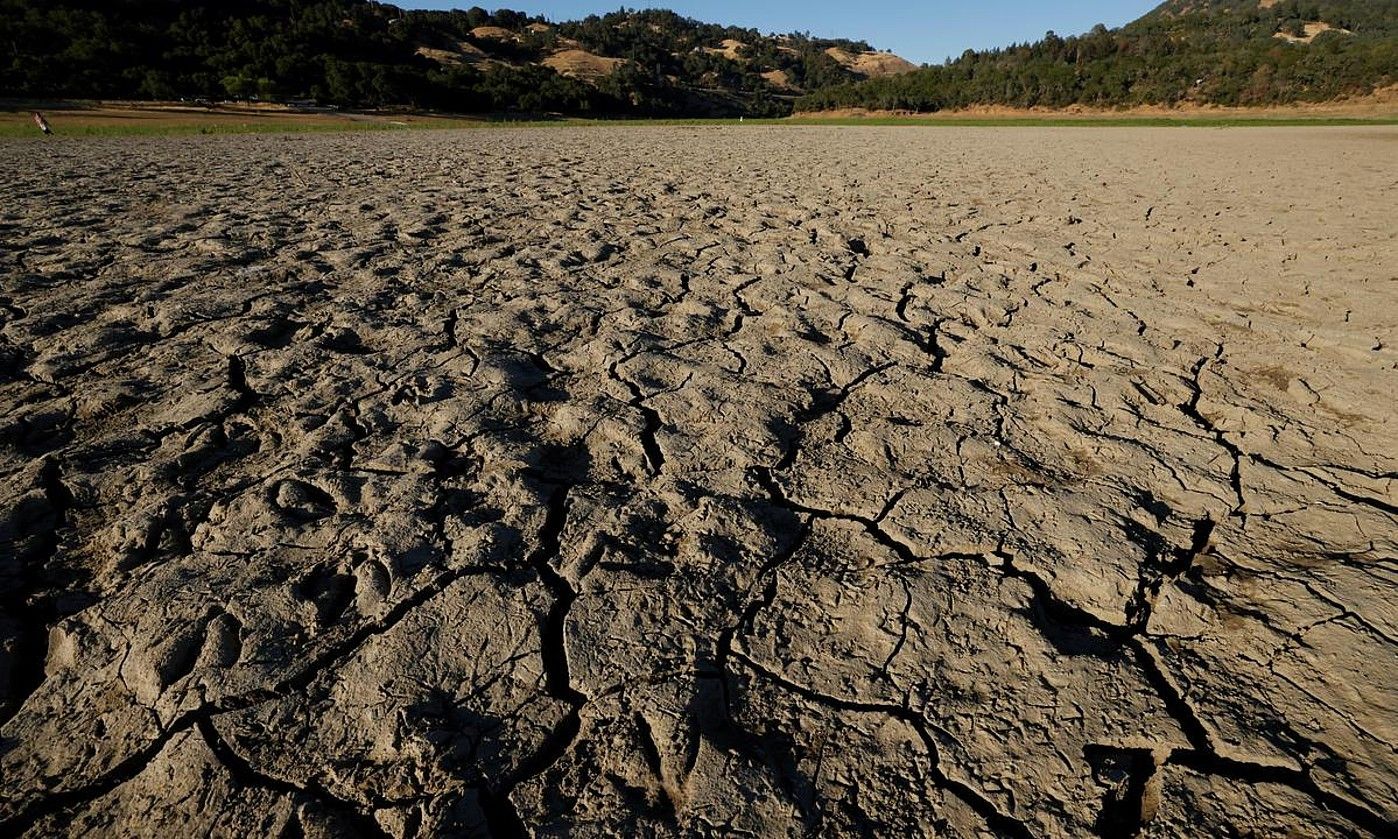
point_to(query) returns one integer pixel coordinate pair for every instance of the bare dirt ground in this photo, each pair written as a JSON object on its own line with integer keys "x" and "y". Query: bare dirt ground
{"x": 1380, "y": 104}
{"x": 668, "y": 481}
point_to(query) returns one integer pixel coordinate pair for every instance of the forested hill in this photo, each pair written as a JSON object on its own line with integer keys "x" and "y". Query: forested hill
{"x": 367, "y": 54}
{"x": 1225, "y": 52}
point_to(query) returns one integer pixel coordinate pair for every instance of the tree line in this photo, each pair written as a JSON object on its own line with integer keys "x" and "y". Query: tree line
{"x": 1224, "y": 53}
{"x": 359, "y": 53}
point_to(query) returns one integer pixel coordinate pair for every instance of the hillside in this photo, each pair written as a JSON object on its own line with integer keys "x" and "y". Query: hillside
{"x": 367, "y": 54}
{"x": 1183, "y": 52}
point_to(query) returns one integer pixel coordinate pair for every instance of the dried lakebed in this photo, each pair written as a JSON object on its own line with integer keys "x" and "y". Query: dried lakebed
{"x": 1021, "y": 482}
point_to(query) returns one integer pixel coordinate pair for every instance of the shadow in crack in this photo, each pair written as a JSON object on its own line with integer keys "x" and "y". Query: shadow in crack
{"x": 561, "y": 463}
{"x": 711, "y": 713}
{"x": 275, "y": 332}
{"x": 35, "y": 434}
{"x": 465, "y": 743}
{"x": 1131, "y": 798}
{"x": 43, "y": 579}
{"x": 1062, "y": 627}
{"x": 530, "y": 375}
{"x": 716, "y": 709}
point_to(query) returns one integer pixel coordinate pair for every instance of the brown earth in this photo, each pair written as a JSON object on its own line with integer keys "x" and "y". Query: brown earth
{"x": 779, "y": 79}
{"x": 1311, "y": 29}
{"x": 465, "y": 53}
{"x": 494, "y": 33}
{"x": 728, "y": 48}
{"x": 582, "y": 64}
{"x": 1382, "y": 103}
{"x": 813, "y": 481}
{"x": 872, "y": 64}
{"x": 441, "y": 56}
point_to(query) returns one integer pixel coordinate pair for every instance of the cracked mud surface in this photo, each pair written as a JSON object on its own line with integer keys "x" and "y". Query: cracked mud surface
{"x": 675, "y": 481}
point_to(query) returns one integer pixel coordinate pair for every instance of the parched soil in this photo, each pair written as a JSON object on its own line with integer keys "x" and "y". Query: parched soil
{"x": 655, "y": 481}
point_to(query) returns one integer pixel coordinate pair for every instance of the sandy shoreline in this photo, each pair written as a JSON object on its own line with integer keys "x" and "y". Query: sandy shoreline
{"x": 782, "y": 480}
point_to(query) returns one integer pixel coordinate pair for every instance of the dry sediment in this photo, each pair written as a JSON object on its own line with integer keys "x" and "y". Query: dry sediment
{"x": 1031, "y": 482}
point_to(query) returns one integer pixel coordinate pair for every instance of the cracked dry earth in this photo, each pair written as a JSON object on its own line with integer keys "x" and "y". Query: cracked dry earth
{"x": 775, "y": 481}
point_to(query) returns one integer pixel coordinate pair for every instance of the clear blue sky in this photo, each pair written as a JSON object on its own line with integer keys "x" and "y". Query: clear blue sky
{"x": 920, "y": 32}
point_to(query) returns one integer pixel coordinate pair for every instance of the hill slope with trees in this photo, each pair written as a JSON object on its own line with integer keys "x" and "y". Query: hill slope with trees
{"x": 360, "y": 53}
{"x": 1221, "y": 52}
